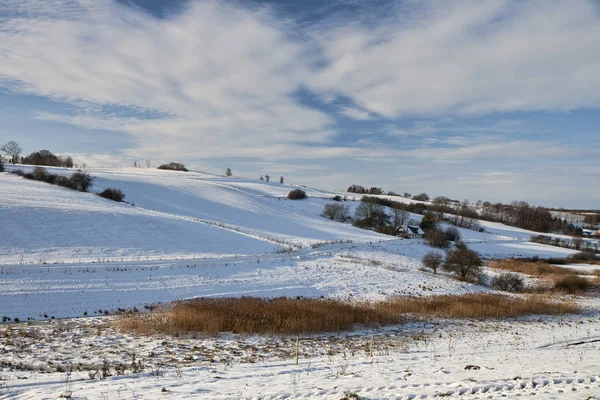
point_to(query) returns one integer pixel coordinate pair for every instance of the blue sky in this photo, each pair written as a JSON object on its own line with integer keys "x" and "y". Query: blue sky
{"x": 496, "y": 100}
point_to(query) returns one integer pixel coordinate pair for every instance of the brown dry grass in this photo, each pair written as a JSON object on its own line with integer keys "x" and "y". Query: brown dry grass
{"x": 553, "y": 277}
{"x": 256, "y": 315}
{"x": 295, "y": 316}
{"x": 479, "y": 306}
{"x": 539, "y": 268}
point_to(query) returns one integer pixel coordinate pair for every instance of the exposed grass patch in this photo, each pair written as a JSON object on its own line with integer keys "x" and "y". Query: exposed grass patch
{"x": 478, "y": 306}
{"x": 537, "y": 268}
{"x": 256, "y": 315}
{"x": 574, "y": 284}
{"x": 295, "y": 316}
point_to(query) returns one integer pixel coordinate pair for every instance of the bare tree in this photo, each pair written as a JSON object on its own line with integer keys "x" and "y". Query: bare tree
{"x": 463, "y": 262}
{"x": 267, "y": 178}
{"x": 281, "y": 180}
{"x": 148, "y": 163}
{"x": 228, "y": 172}
{"x": 13, "y": 150}
{"x": 432, "y": 260}
{"x": 399, "y": 217}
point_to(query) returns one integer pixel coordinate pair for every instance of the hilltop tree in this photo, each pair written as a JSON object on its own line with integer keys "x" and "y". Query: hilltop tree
{"x": 261, "y": 178}
{"x": 13, "y": 150}
{"x": 281, "y": 180}
{"x": 228, "y": 172}
{"x": 267, "y": 178}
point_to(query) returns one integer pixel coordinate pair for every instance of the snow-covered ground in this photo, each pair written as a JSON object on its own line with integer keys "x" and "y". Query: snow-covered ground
{"x": 531, "y": 358}
{"x": 67, "y": 254}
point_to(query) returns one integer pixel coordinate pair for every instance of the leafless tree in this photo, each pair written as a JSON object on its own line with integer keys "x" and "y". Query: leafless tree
{"x": 148, "y": 163}
{"x": 399, "y": 217}
{"x": 432, "y": 260}
{"x": 13, "y": 150}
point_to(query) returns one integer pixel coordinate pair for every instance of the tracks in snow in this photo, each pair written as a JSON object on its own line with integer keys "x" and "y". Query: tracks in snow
{"x": 491, "y": 389}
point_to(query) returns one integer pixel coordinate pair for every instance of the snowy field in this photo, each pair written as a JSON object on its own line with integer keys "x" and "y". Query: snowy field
{"x": 537, "y": 358}
{"x": 66, "y": 254}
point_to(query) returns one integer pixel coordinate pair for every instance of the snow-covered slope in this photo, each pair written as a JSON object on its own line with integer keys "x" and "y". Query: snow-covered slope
{"x": 63, "y": 252}
{"x": 175, "y": 213}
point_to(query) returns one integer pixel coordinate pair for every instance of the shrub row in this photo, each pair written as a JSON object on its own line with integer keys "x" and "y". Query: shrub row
{"x": 78, "y": 180}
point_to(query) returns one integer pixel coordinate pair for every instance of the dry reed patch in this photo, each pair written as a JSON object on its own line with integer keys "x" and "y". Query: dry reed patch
{"x": 540, "y": 268}
{"x": 304, "y": 316}
{"x": 478, "y": 306}
{"x": 256, "y": 315}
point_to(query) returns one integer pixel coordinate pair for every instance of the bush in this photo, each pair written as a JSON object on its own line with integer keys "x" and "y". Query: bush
{"x": 296, "y": 194}
{"x": 572, "y": 284}
{"x": 508, "y": 282}
{"x": 463, "y": 262}
{"x": 432, "y": 260}
{"x": 64, "y": 182}
{"x": 41, "y": 174}
{"x": 173, "y": 166}
{"x": 81, "y": 181}
{"x": 112, "y": 194}
{"x": 437, "y": 238}
{"x": 453, "y": 234}
{"x": 584, "y": 256}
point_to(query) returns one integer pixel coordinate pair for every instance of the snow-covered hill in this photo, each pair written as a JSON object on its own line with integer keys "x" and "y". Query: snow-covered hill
{"x": 64, "y": 252}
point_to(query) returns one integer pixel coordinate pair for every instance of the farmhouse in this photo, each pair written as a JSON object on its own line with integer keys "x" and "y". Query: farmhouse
{"x": 410, "y": 232}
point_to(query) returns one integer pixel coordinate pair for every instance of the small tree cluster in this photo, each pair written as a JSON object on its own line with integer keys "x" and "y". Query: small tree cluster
{"x": 370, "y": 216}
{"x": 362, "y": 190}
{"x": 45, "y": 157}
{"x": 442, "y": 239}
{"x": 112, "y": 194}
{"x": 296, "y": 194}
{"x": 173, "y": 166}
{"x": 336, "y": 212}
{"x": 421, "y": 197}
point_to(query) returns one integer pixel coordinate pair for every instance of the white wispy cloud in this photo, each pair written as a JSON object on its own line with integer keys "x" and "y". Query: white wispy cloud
{"x": 220, "y": 80}
{"x": 356, "y": 113}
{"x": 468, "y": 57}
